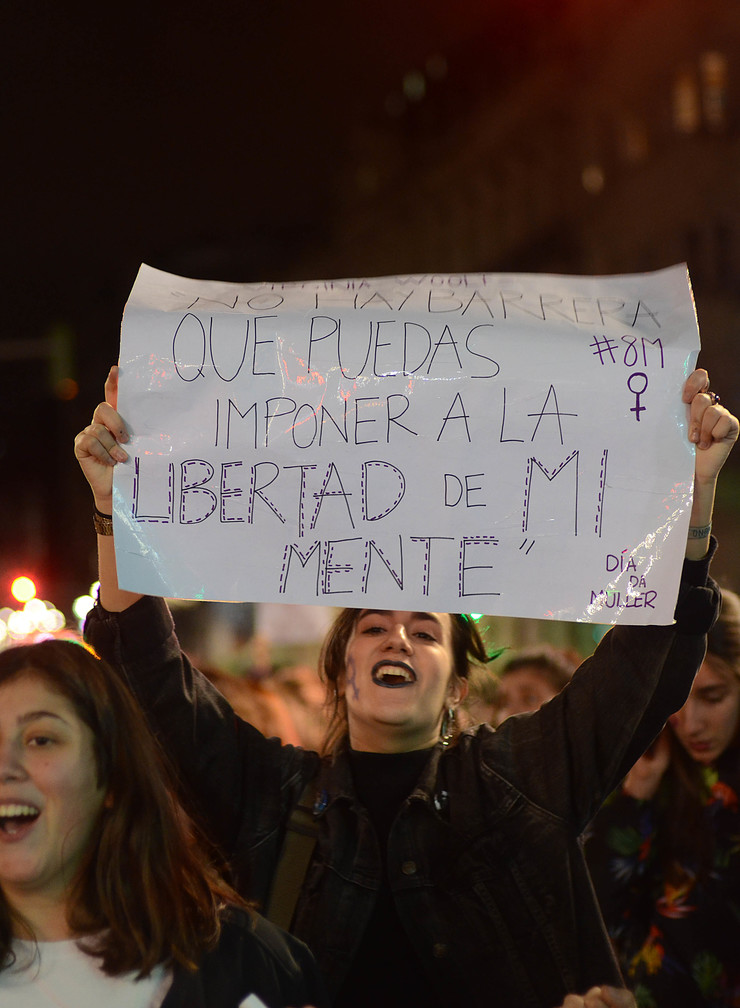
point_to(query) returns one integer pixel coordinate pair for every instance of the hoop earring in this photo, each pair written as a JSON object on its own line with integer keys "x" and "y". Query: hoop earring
{"x": 447, "y": 728}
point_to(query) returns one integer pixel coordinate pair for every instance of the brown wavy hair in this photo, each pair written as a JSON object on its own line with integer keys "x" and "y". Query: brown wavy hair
{"x": 147, "y": 891}
{"x": 468, "y": 649}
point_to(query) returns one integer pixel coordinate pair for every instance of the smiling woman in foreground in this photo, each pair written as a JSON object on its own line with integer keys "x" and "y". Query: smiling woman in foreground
{"x": 448, "y": 867}
{"x": 106, "y": 896}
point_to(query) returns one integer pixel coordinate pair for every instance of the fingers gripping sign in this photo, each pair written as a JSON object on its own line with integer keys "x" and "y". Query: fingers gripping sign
{"x": 712, "y": 428}
{"x": 98, "y": 450}
{"x": 98, "y": 447}
{"x": 111, "y": 388}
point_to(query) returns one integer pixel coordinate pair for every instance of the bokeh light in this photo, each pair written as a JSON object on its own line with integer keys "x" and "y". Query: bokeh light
{"x": 23, "y": 589}
{"x": 34, "y": 621}
{"x": 83, "y": 604}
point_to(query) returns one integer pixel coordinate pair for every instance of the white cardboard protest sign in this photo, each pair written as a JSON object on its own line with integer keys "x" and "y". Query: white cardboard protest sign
{"x": 507, "y": 444}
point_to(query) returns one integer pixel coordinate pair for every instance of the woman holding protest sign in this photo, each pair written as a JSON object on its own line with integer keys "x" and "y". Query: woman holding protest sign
{"x": 441, "y": 860}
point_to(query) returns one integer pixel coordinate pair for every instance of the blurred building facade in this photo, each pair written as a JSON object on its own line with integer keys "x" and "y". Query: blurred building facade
{"x": 616, "y": 151}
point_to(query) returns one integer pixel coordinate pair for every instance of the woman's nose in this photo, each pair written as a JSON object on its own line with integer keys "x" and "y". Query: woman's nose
{"x": 399, "y": 638}
{"x": 11, "y": 767}
{"x": 691, "y": 718}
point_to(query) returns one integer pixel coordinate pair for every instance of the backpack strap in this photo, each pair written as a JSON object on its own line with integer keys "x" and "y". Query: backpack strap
{"x": 301, "y": 835}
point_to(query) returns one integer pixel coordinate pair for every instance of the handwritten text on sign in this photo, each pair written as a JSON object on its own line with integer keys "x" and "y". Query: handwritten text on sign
{"x": 504, "y": 444}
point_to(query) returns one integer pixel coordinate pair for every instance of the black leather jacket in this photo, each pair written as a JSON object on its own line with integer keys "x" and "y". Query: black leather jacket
{"x": 484, "y": 858}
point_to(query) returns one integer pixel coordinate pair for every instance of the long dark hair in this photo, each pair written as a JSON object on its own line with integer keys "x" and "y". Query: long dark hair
{"x": 146, "y": 892}
{"x": 684, "y": 836}
{"x": 468, "y": 648}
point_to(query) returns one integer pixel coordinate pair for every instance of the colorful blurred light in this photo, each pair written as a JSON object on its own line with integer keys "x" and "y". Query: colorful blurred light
{"x": 23, "y": 589}
{"x": 84, "y": 603}
{"x": 35, "y": 621}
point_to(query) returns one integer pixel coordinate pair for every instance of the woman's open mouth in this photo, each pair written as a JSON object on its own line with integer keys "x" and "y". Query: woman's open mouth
{"x": 16, "y": 819}
{"x": 393, "y": 674}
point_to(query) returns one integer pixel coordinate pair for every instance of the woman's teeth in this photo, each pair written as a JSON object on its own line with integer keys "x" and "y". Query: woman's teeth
{"x": 13, "y": 816}
{"x": 393, "y": 675}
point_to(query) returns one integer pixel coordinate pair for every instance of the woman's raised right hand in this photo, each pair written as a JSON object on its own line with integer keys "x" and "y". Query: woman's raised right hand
{"x": 98, "y": 446}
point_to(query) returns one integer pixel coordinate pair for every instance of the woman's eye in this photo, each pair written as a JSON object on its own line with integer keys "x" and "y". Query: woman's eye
{"x": 372, "y": 630}
{"x": 40, "y": 741}
{"x": 716, "y": 698}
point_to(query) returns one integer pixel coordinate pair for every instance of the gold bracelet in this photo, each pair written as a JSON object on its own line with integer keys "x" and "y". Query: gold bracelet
{"x": 103, "y": 523}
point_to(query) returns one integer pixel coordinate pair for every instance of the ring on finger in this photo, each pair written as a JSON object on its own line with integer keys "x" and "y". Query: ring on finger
{"x": 713, "y": 396}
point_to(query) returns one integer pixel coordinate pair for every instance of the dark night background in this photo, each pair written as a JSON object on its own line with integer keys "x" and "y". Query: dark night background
{"x": 239, "y": 141}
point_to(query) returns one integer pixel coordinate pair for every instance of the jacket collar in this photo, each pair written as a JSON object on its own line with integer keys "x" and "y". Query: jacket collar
{"x": 335, "y": 783}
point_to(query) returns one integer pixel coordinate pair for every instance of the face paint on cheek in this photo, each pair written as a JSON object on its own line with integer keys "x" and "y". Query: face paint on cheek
{"x": 352, "y": 678}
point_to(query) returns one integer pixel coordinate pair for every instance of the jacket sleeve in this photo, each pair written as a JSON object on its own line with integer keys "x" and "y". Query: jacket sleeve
{"x": 236, "y": 780}
{"x": 568, "y": 756}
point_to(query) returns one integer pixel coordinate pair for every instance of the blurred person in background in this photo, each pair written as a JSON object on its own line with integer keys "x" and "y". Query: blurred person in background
{"x": 533, "y": 677}
{"x": 268, "y": 676}
{"x": 665, "y": 849}
{"x": 524, "y": 682}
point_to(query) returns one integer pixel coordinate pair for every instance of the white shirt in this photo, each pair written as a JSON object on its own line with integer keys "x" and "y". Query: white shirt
{"x": 59, "y": 975}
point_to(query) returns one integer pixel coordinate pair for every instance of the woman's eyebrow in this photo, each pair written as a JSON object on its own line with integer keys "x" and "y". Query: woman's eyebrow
{"x": 426, "y": 616}
{"x": 37, "y": 714}
{"x": 414, "y": 615}
{"x": 372, "y": 612}
{"x": 707, "y": 690}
